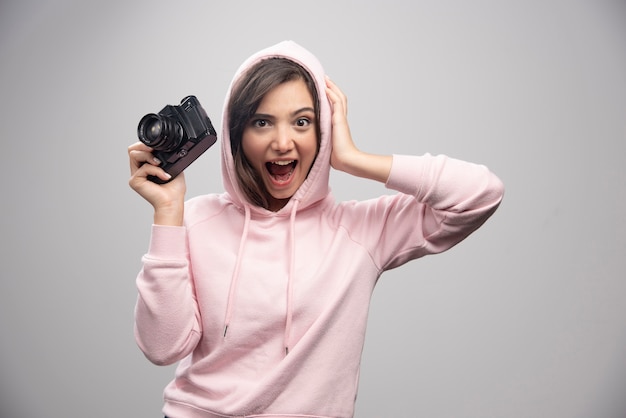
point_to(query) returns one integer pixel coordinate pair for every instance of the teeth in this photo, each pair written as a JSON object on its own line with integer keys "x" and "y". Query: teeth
{"x": 282, "y": 162}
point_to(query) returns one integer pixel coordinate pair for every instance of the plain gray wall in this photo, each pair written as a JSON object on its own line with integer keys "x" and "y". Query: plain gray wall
{"x": 526, "y": 318}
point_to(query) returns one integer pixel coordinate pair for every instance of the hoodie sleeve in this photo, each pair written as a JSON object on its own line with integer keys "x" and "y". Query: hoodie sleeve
{"x": 441, "y": 201}
{"x": 167, "y": 322}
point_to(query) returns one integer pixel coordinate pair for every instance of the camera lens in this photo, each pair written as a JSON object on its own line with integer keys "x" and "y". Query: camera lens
{"x": 153, "y": 130}
{"x": 160, "y": 132}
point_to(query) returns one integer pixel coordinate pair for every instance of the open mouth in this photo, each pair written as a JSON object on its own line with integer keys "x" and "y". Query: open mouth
{"x": 281, "y": 171}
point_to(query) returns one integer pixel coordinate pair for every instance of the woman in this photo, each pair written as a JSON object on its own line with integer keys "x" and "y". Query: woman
{"x": 262, "y": 292}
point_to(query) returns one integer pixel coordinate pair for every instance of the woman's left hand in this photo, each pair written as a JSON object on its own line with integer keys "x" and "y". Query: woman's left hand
{"x": 343, "y": 146}
{"x": 345, "y": 155}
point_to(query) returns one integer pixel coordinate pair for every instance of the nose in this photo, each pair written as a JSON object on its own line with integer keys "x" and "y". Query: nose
{"x": 283, "y": 140}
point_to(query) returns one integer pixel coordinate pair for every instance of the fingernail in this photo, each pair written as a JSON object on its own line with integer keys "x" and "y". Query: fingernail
{"x": 156, "y": 160}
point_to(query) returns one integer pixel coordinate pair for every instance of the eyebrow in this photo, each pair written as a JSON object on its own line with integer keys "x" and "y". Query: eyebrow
{"x": 303, "y": 110}
{"x": 297, "y": 112}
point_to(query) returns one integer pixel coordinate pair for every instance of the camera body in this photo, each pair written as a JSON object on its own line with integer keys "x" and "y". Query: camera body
{"x": 178, "y": 135}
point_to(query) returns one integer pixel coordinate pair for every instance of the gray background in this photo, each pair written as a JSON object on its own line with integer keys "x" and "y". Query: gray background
{"x": 524, "y": 319}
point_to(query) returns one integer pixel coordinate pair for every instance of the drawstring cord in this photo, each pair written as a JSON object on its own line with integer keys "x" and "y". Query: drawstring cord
{"x": 292, "y": 263}
{"x": 235, "y": 278}
{"x": 290, "y": 278}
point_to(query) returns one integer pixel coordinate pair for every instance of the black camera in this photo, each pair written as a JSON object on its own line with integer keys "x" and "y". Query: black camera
{"x": 177, "y": 135}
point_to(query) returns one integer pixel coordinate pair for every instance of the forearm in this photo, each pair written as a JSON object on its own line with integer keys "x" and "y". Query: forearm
{"x": 369, "y": 166}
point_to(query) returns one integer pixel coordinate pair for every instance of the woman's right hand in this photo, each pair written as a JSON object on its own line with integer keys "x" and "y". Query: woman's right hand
{"x": 167, "y": 199}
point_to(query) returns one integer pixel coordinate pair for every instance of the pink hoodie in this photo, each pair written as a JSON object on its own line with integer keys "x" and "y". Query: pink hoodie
{"x": 266, "y": 311}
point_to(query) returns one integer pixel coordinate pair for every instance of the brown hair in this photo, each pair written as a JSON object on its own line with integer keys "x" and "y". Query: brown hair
{"x": 244, "y": 101}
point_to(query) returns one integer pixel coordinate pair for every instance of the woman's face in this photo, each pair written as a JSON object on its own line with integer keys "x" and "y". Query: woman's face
{"x": 280, "y": 140}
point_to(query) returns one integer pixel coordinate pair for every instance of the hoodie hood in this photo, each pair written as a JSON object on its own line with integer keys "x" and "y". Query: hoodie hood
{"x": 315, "y": 187}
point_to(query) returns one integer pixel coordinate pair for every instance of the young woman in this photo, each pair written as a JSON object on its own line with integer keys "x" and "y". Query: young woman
{"x": 261, "y": 293}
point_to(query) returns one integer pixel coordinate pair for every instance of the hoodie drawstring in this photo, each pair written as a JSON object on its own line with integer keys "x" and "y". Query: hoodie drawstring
{"x": 235, "y": 278}
{"x": 292, "y": 264}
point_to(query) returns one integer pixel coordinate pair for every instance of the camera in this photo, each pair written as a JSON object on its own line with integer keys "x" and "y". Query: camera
{"x": 178, "y": 135}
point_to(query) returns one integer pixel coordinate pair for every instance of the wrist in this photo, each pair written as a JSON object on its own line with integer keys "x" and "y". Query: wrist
{"x": 346, "y": 159}
{"x": 170, "y": 215}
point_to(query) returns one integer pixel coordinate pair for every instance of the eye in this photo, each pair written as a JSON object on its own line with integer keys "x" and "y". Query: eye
{"x": 259, "y": 123}
{"x": 302, "y": 122}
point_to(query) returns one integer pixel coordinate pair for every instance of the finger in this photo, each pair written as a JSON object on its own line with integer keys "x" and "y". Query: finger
{"x": 139, "y": 146}
{"x": 336, "y": 96}
{"x": 329, "y": 81}
{"x": 151, "y": 170}
{"x": 139, "y": 157}
{"x": 337, "y": 105}
{"x": 140, "y": 175}
{"x": 335, "y": 88}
